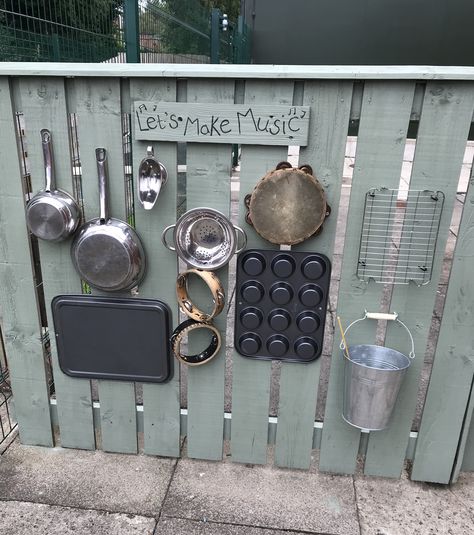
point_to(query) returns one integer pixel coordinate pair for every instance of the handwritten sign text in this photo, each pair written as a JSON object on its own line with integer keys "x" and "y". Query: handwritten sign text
{"x": 222, "y": 123}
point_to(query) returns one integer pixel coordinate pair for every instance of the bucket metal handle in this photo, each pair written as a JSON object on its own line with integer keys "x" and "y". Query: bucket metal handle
{"x": 381, "y": 316}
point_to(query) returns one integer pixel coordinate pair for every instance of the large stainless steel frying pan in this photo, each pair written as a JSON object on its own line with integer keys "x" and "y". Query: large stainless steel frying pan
{"x": 106, "y": 252}
{"x": 52, "y": 214}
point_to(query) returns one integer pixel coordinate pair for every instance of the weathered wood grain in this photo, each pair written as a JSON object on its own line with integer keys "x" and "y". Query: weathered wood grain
{"x": 330, "y": 104}
{"x": 382, "y": 132}
{"x": 251, "y": 378}
{"x": 468, "y": 457}
{"x": 21, "y": 326}
{"x": 441, "y": 142}
{"x": 251, "y": 72}
{"x": 43, "y": 102}
{"x": 98, "y": 108}
{"x": 465, "y": 448}
{"x": 160, "y": 402}
{"x": 208, "y": 185}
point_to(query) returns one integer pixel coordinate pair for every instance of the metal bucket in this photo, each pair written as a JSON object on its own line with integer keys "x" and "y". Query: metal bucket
{"x": 372, "y": 379}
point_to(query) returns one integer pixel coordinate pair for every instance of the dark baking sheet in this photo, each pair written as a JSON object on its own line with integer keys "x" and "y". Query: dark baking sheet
{"x": 113, "y": 338}
{"x": 281, "y": 300}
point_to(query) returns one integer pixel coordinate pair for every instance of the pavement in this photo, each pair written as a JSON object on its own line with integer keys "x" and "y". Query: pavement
{"x": 56, "y": 491}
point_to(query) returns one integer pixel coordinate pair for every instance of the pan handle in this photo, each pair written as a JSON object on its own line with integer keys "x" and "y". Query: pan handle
{"x": 244, "y": 238}
{"x": 101, "y": 158}
{"x": 163, "y": 237}
{"x": 50, "y": 181}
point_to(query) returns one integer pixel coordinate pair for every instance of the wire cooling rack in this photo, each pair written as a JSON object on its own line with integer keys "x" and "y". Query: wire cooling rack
{"x": 399, "y": 233}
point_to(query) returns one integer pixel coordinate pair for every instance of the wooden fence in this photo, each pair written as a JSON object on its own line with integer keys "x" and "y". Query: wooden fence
{"x": 383, "y": 103}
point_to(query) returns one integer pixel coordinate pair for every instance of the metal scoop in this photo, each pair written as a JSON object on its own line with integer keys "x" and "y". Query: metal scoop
{"x": 152, "y": 176}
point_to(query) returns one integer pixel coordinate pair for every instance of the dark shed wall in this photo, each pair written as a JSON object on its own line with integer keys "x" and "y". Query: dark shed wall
{"x": 312, "y": 32}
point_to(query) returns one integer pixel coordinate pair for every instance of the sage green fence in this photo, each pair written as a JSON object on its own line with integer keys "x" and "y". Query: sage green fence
{"x": 48, "y": 95}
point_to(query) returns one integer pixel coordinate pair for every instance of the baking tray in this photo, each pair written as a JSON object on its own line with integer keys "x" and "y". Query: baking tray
{"x": 281, "y": 300}
{"x": 113, "y": 338}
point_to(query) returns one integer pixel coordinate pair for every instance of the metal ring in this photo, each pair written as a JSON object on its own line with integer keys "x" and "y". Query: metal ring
{"x": 185, "y": 303}
{"x": 200, "y": 358}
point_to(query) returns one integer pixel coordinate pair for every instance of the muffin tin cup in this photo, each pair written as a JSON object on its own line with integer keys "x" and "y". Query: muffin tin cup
{"x": 281, "y": 304}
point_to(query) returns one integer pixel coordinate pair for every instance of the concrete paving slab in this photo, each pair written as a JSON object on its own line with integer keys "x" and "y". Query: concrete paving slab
{"x": 351, "y": 146}
{"x": 464, "y": 490}
{"x": 20, "y": 518}
{"x": 469, "y": 152}
{"x": 262, "y": 496}
{"x": 179, "y": 526}
{"x": 409, "y": 152}
{"x": 399, "y": 507}
{"x": 133, "y": 484}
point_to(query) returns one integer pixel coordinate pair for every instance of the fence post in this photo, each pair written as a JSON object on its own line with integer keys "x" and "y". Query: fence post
{"x": 131, "y": 33}
{"x": 215, "y": 29}
{"x": 55, "y": 44}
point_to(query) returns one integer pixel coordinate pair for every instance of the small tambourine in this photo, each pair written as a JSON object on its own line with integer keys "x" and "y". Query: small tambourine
{"x": 204, "y": 356}
{"x": 185, "y": 303}
{"x": 288, "y": 205}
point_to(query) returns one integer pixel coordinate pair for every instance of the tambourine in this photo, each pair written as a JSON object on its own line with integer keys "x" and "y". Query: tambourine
{"x": 204, "y": 356}
{"x": 288, "y": 205}
{"x": 185, "y": 303}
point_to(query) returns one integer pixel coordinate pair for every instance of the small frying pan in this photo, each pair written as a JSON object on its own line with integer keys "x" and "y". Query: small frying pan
{"x": 106, "y": 252}
{"x": 52, "y": 214}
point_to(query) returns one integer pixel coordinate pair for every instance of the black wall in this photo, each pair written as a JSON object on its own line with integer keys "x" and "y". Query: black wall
{"x": 361, "y": 32}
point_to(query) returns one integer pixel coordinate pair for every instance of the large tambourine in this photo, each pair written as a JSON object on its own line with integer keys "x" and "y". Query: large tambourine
{"x": 288, "y": 205}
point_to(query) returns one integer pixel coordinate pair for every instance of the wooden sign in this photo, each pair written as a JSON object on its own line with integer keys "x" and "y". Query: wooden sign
{"x": 222, "y": 123}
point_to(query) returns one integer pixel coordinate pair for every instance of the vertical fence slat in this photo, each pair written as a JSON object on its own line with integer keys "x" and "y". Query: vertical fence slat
{"x": 330, "y": 104}
{"x": 251, "y": 378}
{"x": 468, "y": 460}
{"x": 441, "y": 141}
{"x": 161, "y": 404}
{"x": 383, "y": 126}
{"x": 99, "y": 124}
{"x": 43, "y": 102}
{"x": 21, "y": 327}
{"x": 208, "y": 184}
{"x": 465, "y": 438}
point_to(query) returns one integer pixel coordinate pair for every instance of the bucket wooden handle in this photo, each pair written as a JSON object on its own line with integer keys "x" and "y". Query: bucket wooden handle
{"x": 380, "y": 316}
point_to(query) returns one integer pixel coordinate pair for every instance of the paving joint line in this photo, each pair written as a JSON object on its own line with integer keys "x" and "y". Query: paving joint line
{"x": 462, "y": 502}
{"x": 257, "y": 526}
{"x": 356, "y": 505}
{"x": 79, "y": 508}
{"x": 165, "y": 497}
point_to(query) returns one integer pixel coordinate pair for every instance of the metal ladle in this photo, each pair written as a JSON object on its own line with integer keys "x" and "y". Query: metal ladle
{"x": 152, "y": 176}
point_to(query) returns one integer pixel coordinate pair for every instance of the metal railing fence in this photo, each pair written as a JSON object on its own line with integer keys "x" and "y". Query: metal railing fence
{"x": 169, "y": 33}
{"x": 118, "y": 31}
{"x": 61, "y": 30}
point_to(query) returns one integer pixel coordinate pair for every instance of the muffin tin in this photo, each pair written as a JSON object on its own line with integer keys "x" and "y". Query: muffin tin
{"x": 281, "y": 299}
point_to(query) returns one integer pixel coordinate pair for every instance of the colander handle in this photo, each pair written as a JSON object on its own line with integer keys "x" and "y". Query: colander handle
{"x": 163, "y": 237}
{"x": 381, "y": 316}
{"x": 244, "y": 238}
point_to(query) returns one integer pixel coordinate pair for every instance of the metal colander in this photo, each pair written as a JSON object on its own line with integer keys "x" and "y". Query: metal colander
{"x": 204, "y": 238}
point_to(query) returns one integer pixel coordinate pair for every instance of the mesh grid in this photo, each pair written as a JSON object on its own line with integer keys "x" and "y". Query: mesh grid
{"x": 399, "y": 234}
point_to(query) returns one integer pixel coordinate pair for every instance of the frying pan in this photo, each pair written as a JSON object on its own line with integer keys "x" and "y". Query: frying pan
{"x": 106, "y": 252}
{"x": 52, "y": 214}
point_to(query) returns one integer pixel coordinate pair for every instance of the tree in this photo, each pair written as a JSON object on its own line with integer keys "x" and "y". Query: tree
{"x": 178, "y": 25}
{"x": 230, "y": 7}
{"x": 66, "y": 30}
